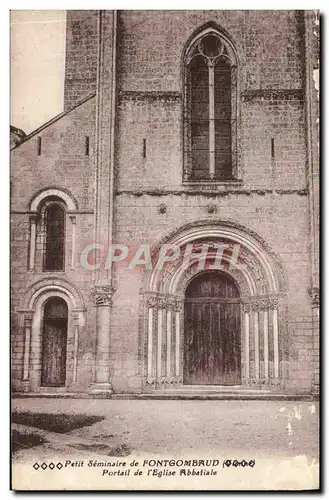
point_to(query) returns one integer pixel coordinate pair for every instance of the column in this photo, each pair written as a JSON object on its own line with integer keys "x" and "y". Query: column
{"x": 33, "y": 232}
{"x": 168, "y": 364}
{"x": 211, "y": 69}
{"x": 159, "y": 344}
{"x": 246, "y": 309}
{"x": 152, "y": 305}
{"x": 178, "y": 308}
{"x": 104, "y": 191}
{"x": 102, "y": 295}
{"x": 256, "y": 337}
{"x": 75, "y": 318}
{"x": 150, "y": 346}
{"x": 73, "y": 222}
{"x": 28, "y": 317}
{"x": 266, "y": 364}
{"x": 314, "y": 293}
{"x": 275, "y": 342}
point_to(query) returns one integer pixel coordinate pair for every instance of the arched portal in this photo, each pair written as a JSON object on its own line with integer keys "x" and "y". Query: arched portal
{"x": 212, "y": 337}
{"x": 209, "y": 322}
{"x": 54, "y": 340}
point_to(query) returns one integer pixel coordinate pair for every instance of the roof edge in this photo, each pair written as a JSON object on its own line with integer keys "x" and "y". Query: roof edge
{"x": 53, "y": 120}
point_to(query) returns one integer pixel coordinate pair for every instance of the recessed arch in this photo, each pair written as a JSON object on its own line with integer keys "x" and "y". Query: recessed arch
{"x": 62, "y": 194}
{"x": 261, "y": 263}
{"x": 43, "y": 288}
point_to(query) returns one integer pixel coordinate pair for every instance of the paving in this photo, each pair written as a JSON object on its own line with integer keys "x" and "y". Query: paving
{"x": 268, "y": 430}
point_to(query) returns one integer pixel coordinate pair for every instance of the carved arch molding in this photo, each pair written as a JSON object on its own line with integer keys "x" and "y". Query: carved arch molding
{"x": 262, "y": 288}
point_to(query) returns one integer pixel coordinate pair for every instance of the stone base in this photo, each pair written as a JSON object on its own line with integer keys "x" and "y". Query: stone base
{"x": 101, "y": 390}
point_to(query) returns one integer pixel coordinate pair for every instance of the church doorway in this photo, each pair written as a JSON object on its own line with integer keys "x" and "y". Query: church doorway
{"x": 54, "y": 341}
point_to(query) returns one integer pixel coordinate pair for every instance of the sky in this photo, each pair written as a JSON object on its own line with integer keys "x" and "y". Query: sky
{"x": 37, "y": 48}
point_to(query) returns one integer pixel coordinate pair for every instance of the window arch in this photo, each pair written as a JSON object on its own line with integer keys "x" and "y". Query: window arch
{"x": 54, "y": 235}
{"x": 50, "y": 209}
{"x": 210, "y": 109}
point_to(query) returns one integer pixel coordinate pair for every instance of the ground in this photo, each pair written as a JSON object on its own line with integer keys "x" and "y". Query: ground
{"x": 282, "y": 437}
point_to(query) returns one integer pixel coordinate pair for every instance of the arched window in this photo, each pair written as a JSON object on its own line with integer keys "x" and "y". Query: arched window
{"x": 54, "y": 244}
{"x": 210, "y": 109}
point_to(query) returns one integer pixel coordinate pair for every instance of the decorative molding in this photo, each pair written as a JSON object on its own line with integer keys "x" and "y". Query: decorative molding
{"x": 272, "y": 95}
{"x": 168, "y": 381}
{"x": 102, "y": 295}
{"x": 168, "y": 303}
{"x": 314, "y": 293}
{"x": 241, "y": 231}
{"x": 260, "y": 304}
{"x": 151, "y": 382}
{"x": 150, "y": 96}
{"x": 208, "y": 190}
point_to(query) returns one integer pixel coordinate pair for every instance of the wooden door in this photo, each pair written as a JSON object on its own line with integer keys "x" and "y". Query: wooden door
{"x": 54, "y": 340}
{"x": 212, "y": 348}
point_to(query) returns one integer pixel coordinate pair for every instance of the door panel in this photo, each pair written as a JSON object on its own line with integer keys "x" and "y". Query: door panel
{"x": 54, "y": 352}
{"x": 212, "y": 351}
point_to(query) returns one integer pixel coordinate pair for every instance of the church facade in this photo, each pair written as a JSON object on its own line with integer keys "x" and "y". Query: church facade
{"x": 183, "y": 133}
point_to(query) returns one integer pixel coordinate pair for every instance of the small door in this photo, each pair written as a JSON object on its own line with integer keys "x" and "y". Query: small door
{"x": 54, "y": 340}
{"x": 212, "y": 350}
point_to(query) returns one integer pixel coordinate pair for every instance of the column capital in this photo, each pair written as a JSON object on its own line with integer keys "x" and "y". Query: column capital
{"x": 102, "y": 295}
{"x": 34, "y": 217}
{"x": 314, "y": 293}
{"x": 169, "y": 303}
{"x": 260, "y": 304}
{"x": 246, "y": 306}
{"x": 28, "y": 317}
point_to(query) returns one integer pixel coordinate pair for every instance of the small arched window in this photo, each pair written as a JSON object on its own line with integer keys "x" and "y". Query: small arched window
{"x": 54, "y": 245}
{"x": 210, "y": 109}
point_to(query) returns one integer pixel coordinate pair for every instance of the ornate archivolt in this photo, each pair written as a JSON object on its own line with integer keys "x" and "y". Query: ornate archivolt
{"x": 261, "y": 283}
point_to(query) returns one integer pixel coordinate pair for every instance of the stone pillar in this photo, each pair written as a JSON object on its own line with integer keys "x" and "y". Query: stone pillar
{"x": 312, "y": 133}
{"x": 168, "y": 338}
{"x": 266, "y": 359}
{"x": 178, "y": 309}
{"x": 28, "y": 317}
{"x": 275, "y": 342}
{"x": 255, "y": 308}
{"x": 163, "y": 341}
{"x": 73, "y": 219}
{"x": 314, "y": 294}
{"x": 261, "y": 307}
{"x": 159, "y": 343}
{"x": 246, "y": 308}
{"x": 33, "y": 232}
{"x": 104, "y": 192}
{"x": 103, "y": 301}
{"x": 75, "y": 318}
